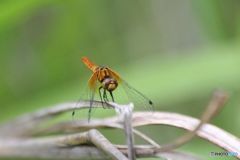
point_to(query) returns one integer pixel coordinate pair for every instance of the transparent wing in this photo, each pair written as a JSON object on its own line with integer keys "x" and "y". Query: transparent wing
{"x": 93, "y": 80}
{"x": 137, "y": 97}
{"x": 92, "y": 83}
{"x": 88, "y": 93}
{"x": 115, "y": 75}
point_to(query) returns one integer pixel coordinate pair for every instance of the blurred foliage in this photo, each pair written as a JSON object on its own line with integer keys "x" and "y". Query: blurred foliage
{"x": 176, "y": 52}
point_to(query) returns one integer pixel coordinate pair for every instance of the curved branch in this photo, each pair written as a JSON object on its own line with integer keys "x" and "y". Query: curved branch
{"x": 208, "y": 132}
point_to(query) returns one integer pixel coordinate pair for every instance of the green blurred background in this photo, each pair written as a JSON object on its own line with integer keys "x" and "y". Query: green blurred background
{"x": 176, "y": 52}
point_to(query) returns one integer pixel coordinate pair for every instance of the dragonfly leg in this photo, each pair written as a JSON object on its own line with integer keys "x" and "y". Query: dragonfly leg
{"x": 111, "y": 94}
{"x": 101, "y": 97}
{"x": 73, "y": 113}
{"x": 90, "y": 106}
{"x": 105, "y": 96}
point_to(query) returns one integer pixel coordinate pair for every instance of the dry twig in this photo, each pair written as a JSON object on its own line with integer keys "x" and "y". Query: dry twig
{"x": 216, "y": 103}
{"x": 17, "y": 137}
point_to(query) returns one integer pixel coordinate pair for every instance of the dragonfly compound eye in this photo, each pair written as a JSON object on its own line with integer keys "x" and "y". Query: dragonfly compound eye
{"x": 110, "y": 84}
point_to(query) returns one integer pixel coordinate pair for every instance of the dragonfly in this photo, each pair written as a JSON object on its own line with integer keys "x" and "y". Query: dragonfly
{"x": 106, "y": 81}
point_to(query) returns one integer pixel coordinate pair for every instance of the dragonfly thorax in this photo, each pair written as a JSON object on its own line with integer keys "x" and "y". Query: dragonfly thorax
{"x": 109, "y": 83}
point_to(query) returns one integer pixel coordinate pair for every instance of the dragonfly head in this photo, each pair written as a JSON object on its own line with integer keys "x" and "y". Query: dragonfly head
{"x": 109, "y": 83}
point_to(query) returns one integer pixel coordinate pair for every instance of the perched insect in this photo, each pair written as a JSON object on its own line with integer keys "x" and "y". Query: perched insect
{"x": 106, "y": 80}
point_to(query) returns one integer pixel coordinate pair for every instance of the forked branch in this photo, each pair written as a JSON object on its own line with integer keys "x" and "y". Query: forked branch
{"x": 17, "y": 138}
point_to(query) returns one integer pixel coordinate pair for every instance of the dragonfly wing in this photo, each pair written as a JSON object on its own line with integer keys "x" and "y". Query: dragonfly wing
{"x": 131, "y": 92}
{"x": 138, "y": 97}
{"x": 92, "y": 83}
{"x": 115, "y": 75}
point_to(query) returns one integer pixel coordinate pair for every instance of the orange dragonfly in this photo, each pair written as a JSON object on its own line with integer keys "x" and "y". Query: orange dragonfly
{"x": 106, "y": 80}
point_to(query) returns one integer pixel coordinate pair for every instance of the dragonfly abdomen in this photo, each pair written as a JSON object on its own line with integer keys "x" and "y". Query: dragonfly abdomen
{"x": 89, "y": 64}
